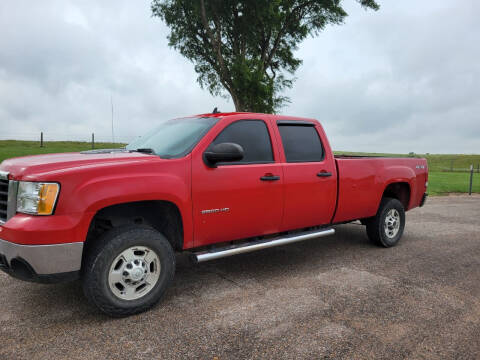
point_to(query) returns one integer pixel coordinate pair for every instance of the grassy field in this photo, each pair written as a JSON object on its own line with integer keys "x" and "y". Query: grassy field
{"x": 14, "y": 148}
{"x": 445, "y": 182}
{"x": 440, "y": 181}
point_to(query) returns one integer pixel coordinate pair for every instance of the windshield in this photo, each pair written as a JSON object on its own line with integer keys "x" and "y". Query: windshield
{"x": 175, "y": 137}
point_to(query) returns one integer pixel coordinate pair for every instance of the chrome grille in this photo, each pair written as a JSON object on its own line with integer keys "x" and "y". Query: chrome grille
{"x": 3, "y": 200}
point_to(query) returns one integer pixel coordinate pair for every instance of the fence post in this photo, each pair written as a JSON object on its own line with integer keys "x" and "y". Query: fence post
{"x": 93, "y": 141}
{"x": 478, "y": 168}
{"x": 41, "y": 139}
{"x": 451, "y": 165}
{"x": 471, "y": 180}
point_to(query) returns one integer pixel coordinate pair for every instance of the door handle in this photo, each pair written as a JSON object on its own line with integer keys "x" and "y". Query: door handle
{"x": 270, "y": 177}
{"x": 324, "y": 174}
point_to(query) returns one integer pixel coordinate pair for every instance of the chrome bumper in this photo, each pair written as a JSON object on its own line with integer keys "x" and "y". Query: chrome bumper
{"x": 43, "y": 259}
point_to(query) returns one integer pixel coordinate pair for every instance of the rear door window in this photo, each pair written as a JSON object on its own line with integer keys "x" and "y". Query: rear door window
{"x": 301, "y": 143}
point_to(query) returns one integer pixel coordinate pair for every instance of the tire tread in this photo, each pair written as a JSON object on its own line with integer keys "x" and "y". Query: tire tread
{"x": 96, "y": 259}
{"x": 374, "y": 225}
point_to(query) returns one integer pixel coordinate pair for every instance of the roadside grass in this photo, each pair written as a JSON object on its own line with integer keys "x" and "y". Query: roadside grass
{"x": 452, "y": 162}
{"x": 440, "y": 181}
{"x": 446, "y": 182}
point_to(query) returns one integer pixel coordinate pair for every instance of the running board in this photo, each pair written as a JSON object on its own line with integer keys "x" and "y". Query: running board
{"x": 258, "y": 245}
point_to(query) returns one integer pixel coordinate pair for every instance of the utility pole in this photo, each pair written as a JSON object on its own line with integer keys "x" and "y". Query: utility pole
{"x": 111, "y": 102}
{"x": 471, "y": 180}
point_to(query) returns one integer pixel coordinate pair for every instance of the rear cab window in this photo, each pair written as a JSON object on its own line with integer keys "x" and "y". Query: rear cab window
{"x": 301, "y": 142}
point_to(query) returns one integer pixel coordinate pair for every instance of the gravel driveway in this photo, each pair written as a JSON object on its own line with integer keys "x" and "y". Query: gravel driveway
{"x": 332, "y": 298}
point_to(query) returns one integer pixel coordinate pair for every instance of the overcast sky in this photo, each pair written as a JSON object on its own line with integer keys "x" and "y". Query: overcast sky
{"x": 405, "y": 78}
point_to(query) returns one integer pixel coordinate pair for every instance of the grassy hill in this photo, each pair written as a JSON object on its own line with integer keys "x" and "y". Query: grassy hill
{"x": 15, "y": 148}
{"x": 447, "y": 172}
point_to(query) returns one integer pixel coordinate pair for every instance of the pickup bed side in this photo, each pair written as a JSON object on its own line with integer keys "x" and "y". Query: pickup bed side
{"x": 363, "y": 181}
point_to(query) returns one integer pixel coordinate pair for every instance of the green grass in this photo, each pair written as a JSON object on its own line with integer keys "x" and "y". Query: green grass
{"x": 440, "y": 182}
{"x": 15, "y": 148}
{"x": 452, "y": 162}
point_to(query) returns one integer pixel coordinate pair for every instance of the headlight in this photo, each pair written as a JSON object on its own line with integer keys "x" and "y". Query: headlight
{"x": 37, "y": 198}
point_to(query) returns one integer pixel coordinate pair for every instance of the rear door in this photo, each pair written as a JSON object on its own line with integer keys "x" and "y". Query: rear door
{"x": 240, "y": 199}
{"x": 310, "y": 178}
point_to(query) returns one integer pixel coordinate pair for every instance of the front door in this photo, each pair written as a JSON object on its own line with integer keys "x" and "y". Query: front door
{"x": 240, "y": 199}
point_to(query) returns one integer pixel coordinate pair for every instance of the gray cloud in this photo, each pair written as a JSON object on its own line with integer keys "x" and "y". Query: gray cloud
{"x": 402, "y": 79}
{"x": 405, "y": 78}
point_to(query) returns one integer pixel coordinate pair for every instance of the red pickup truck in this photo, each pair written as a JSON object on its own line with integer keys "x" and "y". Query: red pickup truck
{"x": 213, "y": 184}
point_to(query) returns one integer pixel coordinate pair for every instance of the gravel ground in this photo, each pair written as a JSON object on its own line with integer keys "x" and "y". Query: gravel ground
{"x": 333, "y": 298}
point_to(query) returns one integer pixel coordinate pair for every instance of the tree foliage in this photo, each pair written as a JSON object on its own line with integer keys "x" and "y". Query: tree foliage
{"x": 246, "y": 47}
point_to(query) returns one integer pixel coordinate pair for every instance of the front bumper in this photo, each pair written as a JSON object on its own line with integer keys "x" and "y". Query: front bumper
{"x": 41, "y": 263}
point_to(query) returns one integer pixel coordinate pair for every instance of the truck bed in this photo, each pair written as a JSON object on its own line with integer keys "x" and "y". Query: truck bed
{"x": 366, "y": 157}
{"x": 362, "y": 181}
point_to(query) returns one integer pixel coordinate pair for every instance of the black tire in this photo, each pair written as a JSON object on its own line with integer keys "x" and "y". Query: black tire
{"x": 376, "y": 229}
{"x": 100, "y": 256}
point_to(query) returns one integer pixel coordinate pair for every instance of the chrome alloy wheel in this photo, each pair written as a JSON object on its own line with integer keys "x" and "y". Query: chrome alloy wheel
{"x": 134, "y": 273}
{"x": 392, "y": 223}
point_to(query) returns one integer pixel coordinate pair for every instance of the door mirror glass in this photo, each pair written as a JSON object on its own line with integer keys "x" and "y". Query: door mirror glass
{"x": 223, "y": 152}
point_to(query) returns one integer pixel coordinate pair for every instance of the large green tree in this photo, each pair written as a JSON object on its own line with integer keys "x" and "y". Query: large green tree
{"x": 246, "y": 47}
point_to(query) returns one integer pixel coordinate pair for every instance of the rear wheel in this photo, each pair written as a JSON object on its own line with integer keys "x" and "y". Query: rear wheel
{"x": 386, "y": 228}
{"x": 127, "y": 270}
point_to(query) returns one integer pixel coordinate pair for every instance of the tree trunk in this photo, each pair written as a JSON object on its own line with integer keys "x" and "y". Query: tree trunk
{"x": 239, "y": 107}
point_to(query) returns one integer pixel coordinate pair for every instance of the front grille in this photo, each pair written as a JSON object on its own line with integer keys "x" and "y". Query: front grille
{"x": 3, "y": 200}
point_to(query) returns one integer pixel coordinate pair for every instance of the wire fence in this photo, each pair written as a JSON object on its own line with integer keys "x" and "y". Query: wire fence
{"x": 45, "y": 142}
{"x": 436, "y": 163}
{"x": 447, "y": 163}
{"x": 43, "y": 137}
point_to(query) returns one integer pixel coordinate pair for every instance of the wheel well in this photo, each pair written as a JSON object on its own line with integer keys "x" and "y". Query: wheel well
{"x": 399, "y": 191}
{"x": 163, "y": 216}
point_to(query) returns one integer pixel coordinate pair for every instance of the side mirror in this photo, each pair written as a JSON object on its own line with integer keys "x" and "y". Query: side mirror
{"x": 224, "y": 152}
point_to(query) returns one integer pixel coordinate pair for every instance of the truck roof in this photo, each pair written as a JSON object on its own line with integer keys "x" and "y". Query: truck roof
{"x": 252, "y": 115}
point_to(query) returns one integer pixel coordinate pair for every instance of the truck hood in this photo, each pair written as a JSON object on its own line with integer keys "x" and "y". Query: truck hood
{"x": 23, "y": 168}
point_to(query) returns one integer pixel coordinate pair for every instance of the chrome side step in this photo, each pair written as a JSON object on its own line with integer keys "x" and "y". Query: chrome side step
{"x": 258, "y": 245}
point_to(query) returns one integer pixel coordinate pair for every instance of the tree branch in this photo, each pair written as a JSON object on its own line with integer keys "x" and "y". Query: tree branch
{"x": 215, "y": 42}
{"x": 282, "y": 30}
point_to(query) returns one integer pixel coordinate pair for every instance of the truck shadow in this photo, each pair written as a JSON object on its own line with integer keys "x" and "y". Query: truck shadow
{"x": 66, "y": 302}
{"x": 349, "y": 245}
{"x": 347, "y": 239}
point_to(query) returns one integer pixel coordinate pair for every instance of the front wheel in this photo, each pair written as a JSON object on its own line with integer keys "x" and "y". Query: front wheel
{"x": 127, "y": 270}
{"x": 386, "y": 228}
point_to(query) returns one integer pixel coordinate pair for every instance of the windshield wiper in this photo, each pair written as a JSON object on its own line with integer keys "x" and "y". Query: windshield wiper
{"x": 144, "y": 150}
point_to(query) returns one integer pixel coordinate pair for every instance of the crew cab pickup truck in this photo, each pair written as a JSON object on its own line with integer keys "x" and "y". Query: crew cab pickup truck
{"x": 214, "y": 185}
